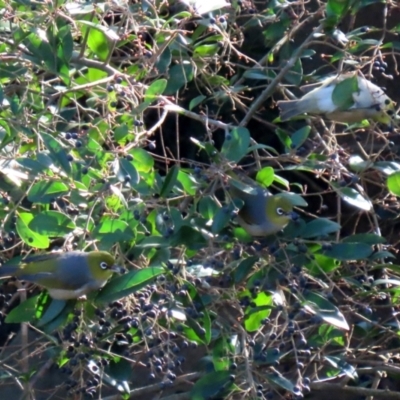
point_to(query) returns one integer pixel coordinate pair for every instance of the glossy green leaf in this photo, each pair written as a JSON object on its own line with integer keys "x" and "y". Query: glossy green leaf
{"x": 129, "y": 171}
{"x": 142, "y": 160}
{"x": 319, "y": 227}
{"x": 169, "y": 181}
{"x": 206, "y": 50}
{"x": 57, "y": 152}
{"x": 43, "y": 192}
{"x": 265, "y": 176}
{"x": 244, "y": 268}
{"x": 294, "y": 198}
{"x": 283, "y": 137}
{"x": 255, "y": 315}
{"x": 188, "y": 183}
{"x": 320, "y": 306}
{"x": 211, "y": 385}
{"x": 111, "y": 231}
{"x": 196, "y": 101}
{"x": 300, "y": 136}
{"x": 337, "y": 8}
{"x": 322, "y": 264}
{"x": 353, "y": 197}
{"x": 393, "y": 183}
{"x": 208, "y": 207}
{"x": 222, "y": 218}
{"x": 280, "y": 381}
{"x": 179, "y": 75}
{"x": 368, "y": 238}
{"x": 164, "y": 60}
{"x": 54, "y": 309}
{"x": 342, "y": 95}
{"x": 24, "y": 312}
{"x": 349, "y": 251}
{"x": 155, "y": 90}
{"x": 236, "y": 144}
{"x": 30, "y": 237}
{"x": 52, "y": 223}
{"x": 127, "y": 284}
{"x": 295, "y": 74}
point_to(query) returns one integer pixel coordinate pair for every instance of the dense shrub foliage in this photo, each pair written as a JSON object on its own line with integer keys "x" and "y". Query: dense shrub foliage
{"x": 121, "y": 125}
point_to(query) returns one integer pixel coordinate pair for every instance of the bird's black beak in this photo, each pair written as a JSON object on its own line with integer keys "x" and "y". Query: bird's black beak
{"x": 118, "y": 269}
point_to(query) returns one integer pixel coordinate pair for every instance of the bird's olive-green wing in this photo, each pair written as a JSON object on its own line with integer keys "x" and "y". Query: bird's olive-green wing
{"x": 48, "y": 256}
{"x": 66, "y": 271}
{"x": 254, "y": 203}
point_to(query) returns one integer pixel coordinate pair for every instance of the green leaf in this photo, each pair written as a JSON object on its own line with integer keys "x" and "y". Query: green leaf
{"x": 342, "y": 95}
{"x": 320, "y": 306}
{"x": 43, "y": 192}
{"x": 244, "y": 268}
{"x": 337, "y": 8}
{"x": 57, "y": 152}
{"x": 349, "y": 251}
{"x": 294, "y": 198}
{"x": 111, "y": 231}
{"x": 119, "y": 369}
{"x": 300, "y": 136}
{"x": 283, "y": 137}
{"x": 155, "y": 90}
{"x": 319, "y": 227}
{"x": 142, "y": 160}
{"x": 279, "y": 380}
{"x": 353, "y": 197}
{"x": 322, "y": 264}
{"x": 52, "y": 223}
{"x": 188, "y": 183}
{"x": 206, "y": 50}
{"x": 393, "y": 183}
{"x": 208, "y": 207}
{"x": 196, "y": 101}
{"x": 255, "y": 315}
{"x": 164, "y": 61}
{"x": 169, "y": 181}
{"x": 127, "y": 284}
{"x": 222, "y": 218}
{"x": 98, "y": 37}
{"x": 265, "y": 176}
{"x": 128, "y": 170}
{"x": 179, "y": 75}
{"x": 236, "y": 144}
{"x": 27, "y": 235}
{"x": 54, "y": 309}
{"x": 24, "y": 312}
{"x": 295, "y": 74}
{"x": 189, "y": 237}
{"x": 211, "y": 385}
{"x": 368, "y": 238}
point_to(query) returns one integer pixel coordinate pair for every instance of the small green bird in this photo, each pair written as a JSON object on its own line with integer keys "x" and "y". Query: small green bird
{"x": 262, "y": 213}
{"x": 65, "y": 275}
{"x": 347, "y": 98}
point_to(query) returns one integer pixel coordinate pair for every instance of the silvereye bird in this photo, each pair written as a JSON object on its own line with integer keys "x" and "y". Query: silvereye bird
{"x": 262, "y": 213}
{"x": 361, "y": 99}
{"x": 65, "y": 275}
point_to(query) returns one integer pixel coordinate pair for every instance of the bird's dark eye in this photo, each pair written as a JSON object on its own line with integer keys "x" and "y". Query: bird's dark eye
{"x": 387, "y": 102}
{"x": 103, "y": 265}
{"x": 280, "y": 211}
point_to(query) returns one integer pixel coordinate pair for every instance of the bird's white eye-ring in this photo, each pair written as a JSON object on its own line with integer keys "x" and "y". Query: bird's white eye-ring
{"x": 280, "y": 211}
{"x": 103, "y": 265}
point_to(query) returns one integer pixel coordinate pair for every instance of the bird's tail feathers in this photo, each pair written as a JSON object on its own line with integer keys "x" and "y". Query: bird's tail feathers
{"x": 8, "y": 270}
{"x": 292, "y": 108}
